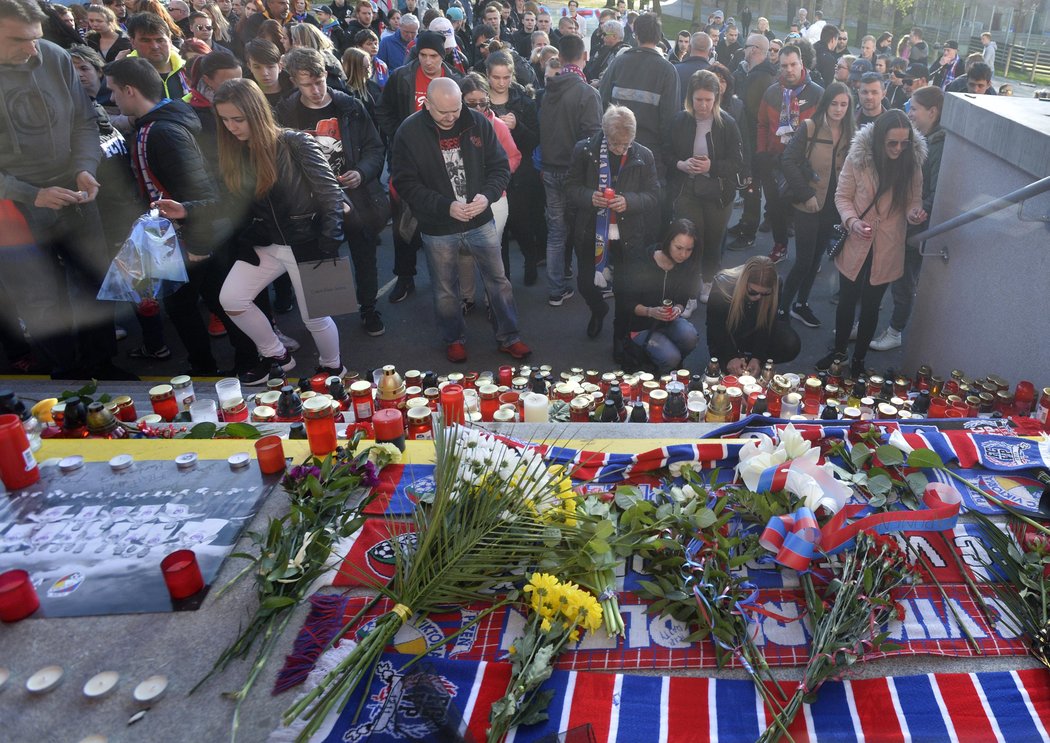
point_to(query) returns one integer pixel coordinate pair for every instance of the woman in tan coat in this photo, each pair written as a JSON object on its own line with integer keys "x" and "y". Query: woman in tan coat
{"x": 879, "y": 193}
{"x": 811, "y": 164}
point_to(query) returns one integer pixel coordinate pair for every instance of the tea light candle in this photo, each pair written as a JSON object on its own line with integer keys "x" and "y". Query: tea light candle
{"x": 4, "y": 676}
{"x": 44, "y": 680}
{"x": 182, "y": 575}
{"x": 95, "y": 739}
{"x": 18, "y": 597}
{"x": 151, "y": 689}
{"x": 536, "y": 408}
{"x": 101, "y": 684}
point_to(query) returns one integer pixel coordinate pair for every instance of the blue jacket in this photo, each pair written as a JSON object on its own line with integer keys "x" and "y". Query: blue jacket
{"x": 393, "y": 50}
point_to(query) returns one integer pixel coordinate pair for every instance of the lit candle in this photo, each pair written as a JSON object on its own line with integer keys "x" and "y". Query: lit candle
{"x": 182, "y": 575}
{"x": 536, "y": 408}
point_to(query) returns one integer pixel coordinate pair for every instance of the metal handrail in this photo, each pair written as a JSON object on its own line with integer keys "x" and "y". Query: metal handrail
{"x": 1022, "y": 194}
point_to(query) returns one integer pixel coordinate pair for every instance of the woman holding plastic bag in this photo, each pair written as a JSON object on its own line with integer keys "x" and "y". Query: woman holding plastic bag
{"x": 294, "y": 213}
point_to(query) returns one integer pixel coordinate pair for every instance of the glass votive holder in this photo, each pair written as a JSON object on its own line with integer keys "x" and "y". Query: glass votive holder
{"x": 204, "y": 411}
{"x": 270, "y": 452}
{"x": 227, "y": 390}
{"x": 182, "y": 574}
{"x": 18, "y": 597}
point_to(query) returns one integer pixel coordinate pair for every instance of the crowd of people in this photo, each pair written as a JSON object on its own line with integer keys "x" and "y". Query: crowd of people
{"x": 273, "y": 132}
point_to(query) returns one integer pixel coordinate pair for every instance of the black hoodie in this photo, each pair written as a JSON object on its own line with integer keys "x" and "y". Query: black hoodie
{"x": 175, "y": 169}
{"x": 571, "y": 111}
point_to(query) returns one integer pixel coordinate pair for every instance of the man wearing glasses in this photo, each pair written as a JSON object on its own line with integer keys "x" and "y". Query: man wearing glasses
{"x": 843, "y": 43}
{"x": 758, "y": 76}
{"x": 612, "y": 45}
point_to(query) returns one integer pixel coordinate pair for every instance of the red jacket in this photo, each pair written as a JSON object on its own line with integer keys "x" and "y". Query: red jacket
{"x": 769, "y": 113}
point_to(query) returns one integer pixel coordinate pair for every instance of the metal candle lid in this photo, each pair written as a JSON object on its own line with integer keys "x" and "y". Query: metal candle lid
{"x": 239, "y": 461}
{"x": 121, "y": 462}
{"x": 71, "y": 463}
{"x": 186, "y": 461}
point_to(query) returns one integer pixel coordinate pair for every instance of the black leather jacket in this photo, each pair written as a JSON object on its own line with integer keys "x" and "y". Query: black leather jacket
{"x": 304, "y": 209}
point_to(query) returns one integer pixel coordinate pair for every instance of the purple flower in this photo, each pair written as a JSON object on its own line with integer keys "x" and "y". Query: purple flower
{"x": 369, "y": 474}
{"x": 296, "y": 475}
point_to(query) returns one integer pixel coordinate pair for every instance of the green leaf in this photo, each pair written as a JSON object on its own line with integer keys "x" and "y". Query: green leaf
{"x": 890, "y": 455}
{"x": 202, "y": 431}
{"x": 627, "y": 496}
{"x": 924, "y": 459}
{"x": 704, "y": 518}
{"x": 860, "y": 454}
{"x": 880, "y": 485}
{"x": 277, "y": 602}
{"x": 917, "y": 481}
{"x": 241, "y": 431}
{"x": 604, "y": 529}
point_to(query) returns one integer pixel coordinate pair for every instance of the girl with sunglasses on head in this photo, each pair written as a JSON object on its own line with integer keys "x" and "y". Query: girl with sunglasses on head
{"x": 879, "y": 194}
{"x": 290, "y": 208}
{"x": 743, "y": 329}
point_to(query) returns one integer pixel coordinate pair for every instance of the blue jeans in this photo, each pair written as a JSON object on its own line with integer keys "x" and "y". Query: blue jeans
{"x": 558, "y": 281}
{"x": 443, "y": 261}
{"x": 669, "y": 343}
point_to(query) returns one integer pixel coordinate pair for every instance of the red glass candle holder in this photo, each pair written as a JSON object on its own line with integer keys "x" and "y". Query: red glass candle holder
{"x": 506, "y": 375}
{"x": 18, "y": 468}
{"x": 182, "y": 574}
{"x": 270, "y": 452}
{"x": 1024, "y": 397}
{"x": 451, "y": 404}
{"x": 18, "y": 598}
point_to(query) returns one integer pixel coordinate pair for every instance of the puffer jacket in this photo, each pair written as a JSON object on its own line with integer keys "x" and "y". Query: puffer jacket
{"x": 856, "y": 190}
{"x": 636, "y": 182}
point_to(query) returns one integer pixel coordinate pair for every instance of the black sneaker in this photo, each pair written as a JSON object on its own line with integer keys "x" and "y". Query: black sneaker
{"x": 331, "y": 371}
{"x": 740, "y": 230}
{"x": 825, "y": 363}
{"x": 372, "y": 322}
{"x": 260, "y": 373}
{"x": 805, "y": 314}
{"x": 402, "y": 289}
{"x": 556, "y": 300}
{"x": 743, "y": 242}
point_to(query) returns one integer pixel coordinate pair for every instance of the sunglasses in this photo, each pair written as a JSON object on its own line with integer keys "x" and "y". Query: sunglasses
{"x": 480, "y": 105}
{"x": 898, "y": 144}
{"x": 843, "y": 38}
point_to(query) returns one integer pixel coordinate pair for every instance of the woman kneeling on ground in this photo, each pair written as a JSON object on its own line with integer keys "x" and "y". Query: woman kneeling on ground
{"x": 743, "y": 329}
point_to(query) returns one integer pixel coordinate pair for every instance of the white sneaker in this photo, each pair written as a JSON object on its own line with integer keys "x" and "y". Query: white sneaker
{"x": 290, "y": 343}
{"x": 690, "y": 306}
{"x": 889, "y": 340}
{"x": 705, "y": 291}
{"x": 853, "y": 332}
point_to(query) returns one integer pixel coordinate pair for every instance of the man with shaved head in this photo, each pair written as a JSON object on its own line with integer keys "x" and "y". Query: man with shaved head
{"x": 448, "y": 167}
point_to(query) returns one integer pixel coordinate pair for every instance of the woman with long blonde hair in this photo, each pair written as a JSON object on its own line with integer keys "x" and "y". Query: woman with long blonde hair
{"x": 293, "y": 212}
{"x": 743, "y": 329}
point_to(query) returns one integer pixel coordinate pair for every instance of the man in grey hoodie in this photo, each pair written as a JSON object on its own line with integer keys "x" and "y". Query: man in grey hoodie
{"x": 49, "y": 150}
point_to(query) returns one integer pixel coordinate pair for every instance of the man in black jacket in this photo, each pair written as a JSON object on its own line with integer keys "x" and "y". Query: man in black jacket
{"x": 644, "y": 81}
{"x": 699, "y": 59}
{"x": 168, "y": 164}
{"x": 449, "y": 166}
{"x": 343, "y": 129}
{"x": 571, "y": 111}
{"x": 825, "y": 49}
{"x": 403, "y": 96}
